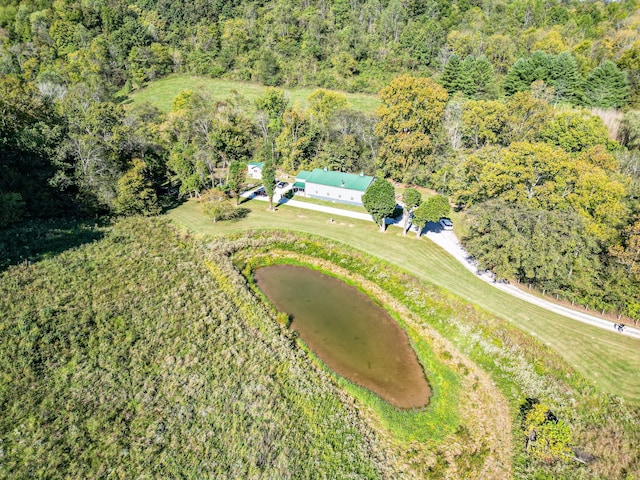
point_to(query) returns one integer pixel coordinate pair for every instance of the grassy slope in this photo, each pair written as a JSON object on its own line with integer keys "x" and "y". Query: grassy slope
{"x": 123, "y": 358}
{"x": 606, "y": 358}
{"x": 162, "y": 92}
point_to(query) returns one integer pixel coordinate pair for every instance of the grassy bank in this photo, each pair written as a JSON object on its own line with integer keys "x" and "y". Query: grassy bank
{"x": 523, "y": 369}
{"x": 125, "y": 358}
{"x": 607, "y": 359}
{"x": 162, "y": 92}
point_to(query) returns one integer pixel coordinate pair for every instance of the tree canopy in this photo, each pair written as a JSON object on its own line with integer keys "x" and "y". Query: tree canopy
{"x": 380, "y": 201}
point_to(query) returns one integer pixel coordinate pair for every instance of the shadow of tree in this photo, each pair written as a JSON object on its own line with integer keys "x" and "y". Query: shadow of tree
{"x": 36, "y": 240}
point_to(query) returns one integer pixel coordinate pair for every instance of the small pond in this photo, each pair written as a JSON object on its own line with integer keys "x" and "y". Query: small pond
{"x": 348, "y": 331}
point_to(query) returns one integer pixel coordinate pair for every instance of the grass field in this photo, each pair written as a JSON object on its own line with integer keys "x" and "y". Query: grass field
{"x": 162, "y": 92}
{"x": 607, "y": 359}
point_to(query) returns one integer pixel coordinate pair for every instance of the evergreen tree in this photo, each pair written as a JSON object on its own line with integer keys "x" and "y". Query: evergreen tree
{"x": 451, "y": 74}
{"x": 518, "y": 78}
{"x": 565, "y": 77}
{"x": 526, "y": 71}
{"x": 607, "y": 86}
{"x": 466, "y": 78}
{"x": 485, "y": 84}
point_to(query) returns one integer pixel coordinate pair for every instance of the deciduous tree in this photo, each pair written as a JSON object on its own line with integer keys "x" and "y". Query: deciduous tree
{"x": 410, "y": 112}
{"x": 380, "y": 201}
{"x": 269, "y": 180}
{"x": 431, "y": 210}
{"x": 411, "y": 199}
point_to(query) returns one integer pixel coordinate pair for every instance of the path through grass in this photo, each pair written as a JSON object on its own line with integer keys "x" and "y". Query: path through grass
{"x": 162, "y": 92}
{"x": 606, "y": 358}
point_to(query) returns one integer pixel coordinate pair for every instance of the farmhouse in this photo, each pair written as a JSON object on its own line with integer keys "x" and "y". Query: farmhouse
{"x": 254, "y": 170}
{"x": 334, "y": 186}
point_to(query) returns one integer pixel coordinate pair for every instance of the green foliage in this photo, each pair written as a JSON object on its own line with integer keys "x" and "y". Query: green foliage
{"x": 324, "y": 103}
{"x": 216, "y": 205}
{"x": 484, "y": 121}
{"x": 551, "y": 249}
{"x": 525, "y": 71}
{"x": 135, "y": 193}
{"x": 575, "y": 131}
{"x": 268, "y": 69}
{"x": 236, "y": 178}
{"x": 451, "y": 73}
{"x": 269, "y": 180}
{"x": 380, "y": 201}
{"x": 411, "y": 199}
{"x": 552, "y": 436}
{"x": 11, "y": 208}
{"x": 410, "y": 112}
{"x": 430, "y": 211}
{"x": 607, "y": 86}
{"x": 473, "y": 77}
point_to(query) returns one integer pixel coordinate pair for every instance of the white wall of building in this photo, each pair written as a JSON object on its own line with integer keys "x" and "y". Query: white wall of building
{"x": 254, "y": 172}
{"x": 336, "y": 194}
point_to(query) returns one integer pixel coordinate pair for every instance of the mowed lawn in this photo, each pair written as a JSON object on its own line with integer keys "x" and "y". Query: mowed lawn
{"x": 162, "y": 92}
{"x": 608, "y": 359}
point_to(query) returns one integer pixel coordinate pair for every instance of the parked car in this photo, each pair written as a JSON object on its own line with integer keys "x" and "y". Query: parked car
{"x": 446, "y": 223}
{"x": 260, "y": 192}
{"x": 282, "y": 184}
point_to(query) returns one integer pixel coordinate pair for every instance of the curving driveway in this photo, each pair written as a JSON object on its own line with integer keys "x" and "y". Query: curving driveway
{"x": 449, "y": 242}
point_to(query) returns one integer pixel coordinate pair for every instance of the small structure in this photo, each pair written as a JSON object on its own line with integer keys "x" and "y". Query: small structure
{"x": 333, "y": 186}
{"x": 254, "y": 170}
{"x": 301, "y": 181}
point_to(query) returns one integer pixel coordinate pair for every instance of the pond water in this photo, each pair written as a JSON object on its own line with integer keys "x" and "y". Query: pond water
{"x": 348, "y": 331}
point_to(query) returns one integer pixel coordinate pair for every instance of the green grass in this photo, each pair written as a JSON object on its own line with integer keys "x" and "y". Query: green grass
{"x": 607, "y": 359}
{"x": 327, "y": 203}
{"x": 126, "y": 358}
{"x": 162, "y": 92}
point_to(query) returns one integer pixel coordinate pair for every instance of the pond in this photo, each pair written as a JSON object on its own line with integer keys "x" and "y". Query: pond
{"x": 350, "y": 333}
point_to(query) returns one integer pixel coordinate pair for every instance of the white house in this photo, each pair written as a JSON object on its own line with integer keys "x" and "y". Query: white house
{"x": 254, "y": 170}
{"x": 333, "y": 186}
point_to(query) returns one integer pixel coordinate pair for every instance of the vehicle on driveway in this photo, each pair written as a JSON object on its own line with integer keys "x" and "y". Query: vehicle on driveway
{"x": 282, "y": 184}
{"x": 260, "y": 192}
{"x": 446, "y": 224}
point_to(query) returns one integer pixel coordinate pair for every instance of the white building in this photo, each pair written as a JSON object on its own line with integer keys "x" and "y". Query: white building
{"x": 333, "y": 186}
{"x": 254, "y": 170}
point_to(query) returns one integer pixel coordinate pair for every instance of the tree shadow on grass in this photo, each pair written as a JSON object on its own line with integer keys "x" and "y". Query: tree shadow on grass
{"x": 36, "y": 240}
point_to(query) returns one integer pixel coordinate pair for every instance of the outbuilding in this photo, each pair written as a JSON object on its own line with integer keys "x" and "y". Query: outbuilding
{"x": 333, "y": 186}
{"x": 254, "y": 170}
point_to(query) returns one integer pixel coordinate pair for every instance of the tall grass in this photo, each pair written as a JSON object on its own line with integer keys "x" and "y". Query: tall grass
{"x": 124, "y": 358}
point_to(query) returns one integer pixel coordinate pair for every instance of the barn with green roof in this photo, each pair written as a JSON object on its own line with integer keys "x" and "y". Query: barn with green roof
{"x": 333, "y": 186}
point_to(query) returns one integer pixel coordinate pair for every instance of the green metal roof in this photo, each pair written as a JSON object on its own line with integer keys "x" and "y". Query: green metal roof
{"x": 256, "y": 164}
{"x": 299, "y": 185}
{"x": 303, "y": 174}
{"x": 339, "y": 179}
